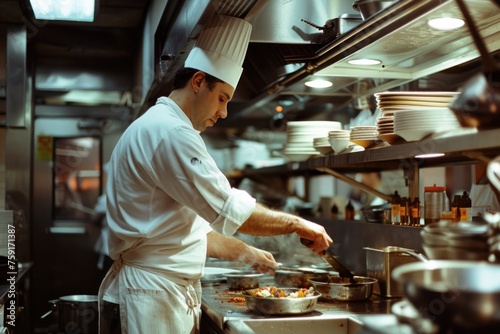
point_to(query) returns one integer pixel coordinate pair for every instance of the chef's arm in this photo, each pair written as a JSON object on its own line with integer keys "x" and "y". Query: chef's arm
{"x": 233, "y": 249}
{"x": 266, "y": 222}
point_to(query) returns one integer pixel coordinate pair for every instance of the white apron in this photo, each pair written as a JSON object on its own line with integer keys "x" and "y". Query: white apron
{"x": 151, "y": 302}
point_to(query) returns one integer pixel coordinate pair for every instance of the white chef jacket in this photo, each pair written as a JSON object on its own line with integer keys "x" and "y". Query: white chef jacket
{"x": 163, "y": 187}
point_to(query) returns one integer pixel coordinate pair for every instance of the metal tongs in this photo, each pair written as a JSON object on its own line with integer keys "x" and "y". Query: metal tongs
{"x": 333, "y": 261}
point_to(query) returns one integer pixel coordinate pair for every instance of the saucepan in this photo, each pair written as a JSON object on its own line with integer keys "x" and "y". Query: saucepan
{"x": 458, "y": 296}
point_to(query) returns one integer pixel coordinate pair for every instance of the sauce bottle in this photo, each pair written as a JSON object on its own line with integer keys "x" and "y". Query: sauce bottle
{"x": 415, "y": 212}
{"x": 334, "y": 211}
{"x": 349, "y": 211}
{"x": 395, "y": 209}
{"x": 403, "y": 211}
{"x": 455, "y": 208}
{"x": 465, "y": 208}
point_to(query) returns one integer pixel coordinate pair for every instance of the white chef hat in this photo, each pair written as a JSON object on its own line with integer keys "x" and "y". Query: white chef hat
{"x": 220, "y": 49}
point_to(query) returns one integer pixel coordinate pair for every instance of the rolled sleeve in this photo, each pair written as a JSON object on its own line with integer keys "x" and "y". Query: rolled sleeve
{"x": 236, "y": 210}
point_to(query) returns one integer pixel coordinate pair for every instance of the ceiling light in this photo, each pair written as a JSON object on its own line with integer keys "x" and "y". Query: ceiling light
{"x": 429, "y": 155}
{"x": 445, "y": 23}
{"x": 318, "y": 83}
{"x": 364, "y": 61}
{"x": 68, "y": 10}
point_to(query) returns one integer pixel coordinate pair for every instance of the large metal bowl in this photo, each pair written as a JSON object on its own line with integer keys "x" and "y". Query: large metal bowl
{"x": 459, "y": 296}
{"x": 336, "y": 288}
{"x": 282, "y": 306}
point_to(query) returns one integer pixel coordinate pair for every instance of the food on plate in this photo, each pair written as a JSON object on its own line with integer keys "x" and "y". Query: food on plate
{"x": 274, "y": 292}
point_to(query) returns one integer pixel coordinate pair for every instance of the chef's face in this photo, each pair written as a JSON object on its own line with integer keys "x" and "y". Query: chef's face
{"x": 210, "y": 103}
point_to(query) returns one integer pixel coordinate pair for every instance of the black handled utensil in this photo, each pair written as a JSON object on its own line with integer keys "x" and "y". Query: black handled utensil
{"x": 333, "y": 261}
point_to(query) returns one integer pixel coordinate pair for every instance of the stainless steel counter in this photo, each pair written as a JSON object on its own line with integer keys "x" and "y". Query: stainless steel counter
{"x": 217, "y": 305}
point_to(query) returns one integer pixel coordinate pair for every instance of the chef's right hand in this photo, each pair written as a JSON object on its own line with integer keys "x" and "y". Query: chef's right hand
{"x": 317, "y": 234}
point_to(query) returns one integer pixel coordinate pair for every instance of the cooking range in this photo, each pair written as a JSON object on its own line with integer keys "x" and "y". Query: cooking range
{"x": 378, "y": 315}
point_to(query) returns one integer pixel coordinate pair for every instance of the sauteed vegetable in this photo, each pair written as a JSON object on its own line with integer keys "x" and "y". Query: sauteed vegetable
{"x": 274, "y": 292}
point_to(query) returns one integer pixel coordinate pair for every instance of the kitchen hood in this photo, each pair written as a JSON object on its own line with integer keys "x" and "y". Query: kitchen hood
{"x": 284, "y": 51}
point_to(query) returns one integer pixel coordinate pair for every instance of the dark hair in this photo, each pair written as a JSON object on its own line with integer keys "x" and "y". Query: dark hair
{"x": 183, "y": 75}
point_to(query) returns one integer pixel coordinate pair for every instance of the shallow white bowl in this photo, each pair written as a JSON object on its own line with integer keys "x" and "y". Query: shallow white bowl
{"x": 324, "y": 149}
{"x": 338, "y": 144}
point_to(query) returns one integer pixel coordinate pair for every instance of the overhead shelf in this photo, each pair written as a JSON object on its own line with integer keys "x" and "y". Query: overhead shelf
{"x": 461, "y": 149}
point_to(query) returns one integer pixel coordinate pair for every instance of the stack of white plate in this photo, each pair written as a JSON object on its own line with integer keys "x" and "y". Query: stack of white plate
{"x": 385, "y": 129}
{"x": 364, "y": 135}
{"x": 391, "y": 102}
{"x": 339, "y": 140}
{"x": 300, "y": 137}
{"x": 416, "y": 124}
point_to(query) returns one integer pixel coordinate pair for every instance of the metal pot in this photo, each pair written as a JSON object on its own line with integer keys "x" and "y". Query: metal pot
{"x": 298, "y": 278}
{"x": 336, "y": 288}
{"x": 282, "y": 306}
{"x": 243, "y": 280}
{"x": 460, "y": 296}
{"x": 77, "y": 313}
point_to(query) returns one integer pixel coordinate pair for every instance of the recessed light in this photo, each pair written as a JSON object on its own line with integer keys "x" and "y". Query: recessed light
{"x": 446, "y": 23}
{"x": 68, "y": 10}
{"x": 318, "y": 83}
{"x": 364, "y": 61}
{"x": 429, "y": 155}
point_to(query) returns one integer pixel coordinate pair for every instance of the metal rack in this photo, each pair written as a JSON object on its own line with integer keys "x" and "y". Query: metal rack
{"x": 469, "y": 148}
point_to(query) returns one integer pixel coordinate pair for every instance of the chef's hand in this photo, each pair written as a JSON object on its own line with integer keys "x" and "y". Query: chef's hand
{"x": 260, "y": 260}
{"x": 317, "y": 234}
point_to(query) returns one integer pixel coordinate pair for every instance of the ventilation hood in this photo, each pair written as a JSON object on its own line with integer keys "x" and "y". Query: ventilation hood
{"x": 284, "y": 51}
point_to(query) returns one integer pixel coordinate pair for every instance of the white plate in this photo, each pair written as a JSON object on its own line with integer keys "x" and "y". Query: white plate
{"x": 416, "y": 93}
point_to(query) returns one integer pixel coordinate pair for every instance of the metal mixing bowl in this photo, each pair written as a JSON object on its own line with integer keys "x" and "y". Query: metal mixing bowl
{"x": 461, "y": 296}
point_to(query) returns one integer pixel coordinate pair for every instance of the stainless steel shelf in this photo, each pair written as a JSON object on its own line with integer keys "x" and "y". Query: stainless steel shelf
{"x": 462, "y": 149}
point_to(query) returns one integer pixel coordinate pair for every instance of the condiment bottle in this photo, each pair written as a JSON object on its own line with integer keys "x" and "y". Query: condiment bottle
{"x": 455, "y": 208}
{"x": 395, "y": 209}
{"x": 403, "y": 210}
{"x": 349, "y": 211}
{"x": 465, "y": 208}
{"x": 334, "y": 211}
{"x": 415, "y": 212}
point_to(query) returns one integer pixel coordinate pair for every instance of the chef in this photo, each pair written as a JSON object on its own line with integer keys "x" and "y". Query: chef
{"x": 169, "y": 206}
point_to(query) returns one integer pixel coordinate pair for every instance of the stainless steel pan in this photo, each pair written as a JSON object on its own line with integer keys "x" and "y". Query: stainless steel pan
{"x": 458, "y": 296}
{"x": 336, "y": 288}
{"x": 281, "y": 306}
